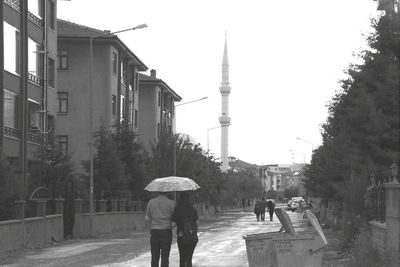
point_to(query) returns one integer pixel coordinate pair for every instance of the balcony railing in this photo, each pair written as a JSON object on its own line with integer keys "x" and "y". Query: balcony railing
{"x": 32, "y": 136}
{"x": 15, "y": 4}
{"x": 36, "y": 80}
{"x": 12, "y": 132}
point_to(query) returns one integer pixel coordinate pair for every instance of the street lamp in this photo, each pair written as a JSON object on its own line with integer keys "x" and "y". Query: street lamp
{"x": 304, "y": 155}
{"x": 91, "y": 182}
{"x": 208, "y": 134}
{"x": 311, "y": 143}
{"x": 177, "y": 105}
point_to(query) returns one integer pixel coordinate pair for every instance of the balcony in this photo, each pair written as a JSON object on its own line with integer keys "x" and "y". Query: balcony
{"x": 15, "y": 4}
{"x": 11, "y": 132}
{"x": 36, "y": 80}
{"x": 33, "y": 136}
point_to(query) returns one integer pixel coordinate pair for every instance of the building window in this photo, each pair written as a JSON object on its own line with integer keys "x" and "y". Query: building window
{"x": 51, "y": 72}
{"x": 159, "y": 98}
{"x": 52, "y": 15}
{"x": 62, "y": 59}
{"x": 130, "y": 112}
{"x": 158, "y": 130}
{"x": 11, "y": 48}
{"x": 10, "y": 109}
{"x": 136, "y": 118}
{"x": 114, "y": 63}
{"x": 62, "y": 141}
{"x": 114, "y": 105}
{"x": 62, "y": 98}
{"x": 122, "y": 108}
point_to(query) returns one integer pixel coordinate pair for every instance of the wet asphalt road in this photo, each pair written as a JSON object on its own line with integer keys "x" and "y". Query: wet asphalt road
{"x": 221, "y": 243}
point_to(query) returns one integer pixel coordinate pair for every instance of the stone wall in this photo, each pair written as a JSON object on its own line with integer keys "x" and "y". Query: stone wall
{"x": 377, "y": 231}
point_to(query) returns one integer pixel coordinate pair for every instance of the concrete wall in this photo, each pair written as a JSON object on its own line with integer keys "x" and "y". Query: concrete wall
{"x": 110, "y": 222}
{"x": 35, "y": 231}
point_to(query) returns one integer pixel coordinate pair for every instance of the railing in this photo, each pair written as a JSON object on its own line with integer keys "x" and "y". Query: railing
{"x": 34, "y": 19}
{"x": 36, "y": 80}
{"x": 15, "y": 4}
{"x": 8, "y": 131}
{"x": 34, "y": 138}
{"x": 377, "y": 202}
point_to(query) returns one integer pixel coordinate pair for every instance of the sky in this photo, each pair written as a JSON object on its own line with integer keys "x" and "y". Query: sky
{"x": 285, "y": 59}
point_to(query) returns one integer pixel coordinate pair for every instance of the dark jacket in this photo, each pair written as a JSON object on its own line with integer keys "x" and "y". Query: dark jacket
{"x": 182, "y": 214}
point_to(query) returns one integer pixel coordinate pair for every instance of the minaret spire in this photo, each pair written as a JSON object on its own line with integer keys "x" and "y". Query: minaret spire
{"x": 225, "y": 120}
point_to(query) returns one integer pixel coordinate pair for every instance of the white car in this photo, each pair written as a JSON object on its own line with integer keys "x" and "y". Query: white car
{"x": 294, "y": 203}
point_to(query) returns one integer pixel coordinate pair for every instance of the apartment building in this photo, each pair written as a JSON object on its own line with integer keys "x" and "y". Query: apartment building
{"x": 156, "y": 109}
{"x": 28, "y": 80}
{"x": 115, "y": 86}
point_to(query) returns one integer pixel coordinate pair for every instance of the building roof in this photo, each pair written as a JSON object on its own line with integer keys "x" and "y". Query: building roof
{"x": 146, "y": 79}
{"x": 67, "y": 30}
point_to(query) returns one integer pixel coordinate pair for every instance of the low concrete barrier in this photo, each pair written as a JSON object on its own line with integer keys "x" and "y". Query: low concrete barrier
{"x": 110, "y": 222}
{"x": 36, "y": 231}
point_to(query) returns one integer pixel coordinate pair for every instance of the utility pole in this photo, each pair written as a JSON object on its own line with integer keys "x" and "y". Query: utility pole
{"x": 1, "y": 80}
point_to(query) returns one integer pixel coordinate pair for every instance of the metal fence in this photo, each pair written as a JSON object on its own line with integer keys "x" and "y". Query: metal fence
{"x": 377, "y": 202}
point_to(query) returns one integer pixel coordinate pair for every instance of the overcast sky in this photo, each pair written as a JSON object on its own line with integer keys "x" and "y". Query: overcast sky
{"x": 286, "y": 58}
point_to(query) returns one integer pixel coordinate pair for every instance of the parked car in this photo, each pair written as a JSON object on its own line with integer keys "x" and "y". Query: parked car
{"x": 294, "y": 203}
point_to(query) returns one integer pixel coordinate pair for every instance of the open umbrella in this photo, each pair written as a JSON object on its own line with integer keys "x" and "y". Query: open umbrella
{"x": 172, "y": 183}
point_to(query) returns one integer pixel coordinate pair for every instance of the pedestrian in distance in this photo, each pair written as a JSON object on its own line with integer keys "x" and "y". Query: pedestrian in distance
{"x": 271, "y": 208}
{"x": 187, "y": 221}
{"x": 257, "y": 210}
{"x": 263, "y": 205}
{"x": 159, "y": 213}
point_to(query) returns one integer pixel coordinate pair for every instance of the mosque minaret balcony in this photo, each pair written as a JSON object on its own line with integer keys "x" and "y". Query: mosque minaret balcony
{"x": 224, "y": 120}
{"x": 225, "y": 89}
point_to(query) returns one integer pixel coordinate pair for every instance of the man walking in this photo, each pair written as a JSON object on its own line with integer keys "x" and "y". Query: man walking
{"x": 159, "y": 213}
{"x": 271, "y": 208}
{"x": 263, "y": 204}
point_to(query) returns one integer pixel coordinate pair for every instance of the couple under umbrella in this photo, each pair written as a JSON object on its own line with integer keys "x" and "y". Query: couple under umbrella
{"x": 162, "y": 214}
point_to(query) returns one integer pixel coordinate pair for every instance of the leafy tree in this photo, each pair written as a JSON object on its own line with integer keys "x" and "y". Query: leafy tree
{"x": 291, "y": 192}
{"x": 109, "y": 176}
{"x": 53, "y": 169}
{"x": 132, "y": 157}
{"x": 361, "y": 134}
{"x": 8, "y": 191}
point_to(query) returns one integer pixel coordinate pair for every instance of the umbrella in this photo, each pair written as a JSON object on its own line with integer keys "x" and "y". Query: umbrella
{"x": 172, "y": 183}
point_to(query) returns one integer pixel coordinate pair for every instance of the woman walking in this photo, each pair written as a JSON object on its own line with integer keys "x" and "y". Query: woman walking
{"x": 186, "y": 219}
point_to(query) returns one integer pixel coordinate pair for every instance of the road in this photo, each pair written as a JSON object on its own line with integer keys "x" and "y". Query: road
{"x": 221, "y": 243}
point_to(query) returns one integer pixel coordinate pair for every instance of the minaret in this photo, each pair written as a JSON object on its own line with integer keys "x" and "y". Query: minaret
{"x": 225, "y": 120}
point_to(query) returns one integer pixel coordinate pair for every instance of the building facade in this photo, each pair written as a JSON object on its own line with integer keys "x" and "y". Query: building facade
{"x": 29, "y": 53}
{"x": 115, "y": 86}
{"x": 156, "y": 109}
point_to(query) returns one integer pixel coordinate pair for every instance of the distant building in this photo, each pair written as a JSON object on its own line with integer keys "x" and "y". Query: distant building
{"x": 115, "y": 86}
{"x": 156, "y": 109}
{"x": 28, "y": 80}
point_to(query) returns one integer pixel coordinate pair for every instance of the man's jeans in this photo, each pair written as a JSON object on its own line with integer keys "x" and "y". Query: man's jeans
{"x": 160, "y": 242}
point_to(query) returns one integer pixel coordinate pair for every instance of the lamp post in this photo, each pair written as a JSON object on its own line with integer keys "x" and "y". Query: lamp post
{"x": 174, "y": 144}
{"x": 91, "y": 182}
{"x": 304, "y": 155}
{"x": 311, "y": 143}
{"x": 208, "y": 134}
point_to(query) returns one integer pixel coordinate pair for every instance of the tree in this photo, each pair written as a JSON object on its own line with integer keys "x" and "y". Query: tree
{"x": 53, "y": 169}
{"x": 109, "y": 178}
{"x": 132, "y": 157}
{"x": 361, "y": 134}
{"x": 9, "y": 186}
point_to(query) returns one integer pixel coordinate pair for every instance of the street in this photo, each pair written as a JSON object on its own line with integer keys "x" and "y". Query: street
{"x": 220, "y": 244}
